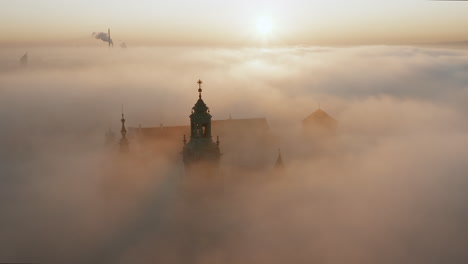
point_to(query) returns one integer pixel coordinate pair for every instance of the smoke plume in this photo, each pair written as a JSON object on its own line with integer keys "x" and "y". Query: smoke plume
{"x": 102, "y": 36}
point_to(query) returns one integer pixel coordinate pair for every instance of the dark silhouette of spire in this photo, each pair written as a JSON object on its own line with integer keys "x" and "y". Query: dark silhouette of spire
{"x": 199, "y": 88}
{"x": 279, "y": 161}
{"x": 123, "y": 141}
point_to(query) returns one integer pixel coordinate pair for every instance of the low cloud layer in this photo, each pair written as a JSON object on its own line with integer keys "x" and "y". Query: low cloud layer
{"x": 390, "y": 188}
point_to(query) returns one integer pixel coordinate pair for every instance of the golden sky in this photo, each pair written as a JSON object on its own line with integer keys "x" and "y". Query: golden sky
{"x": 214, "y": 22}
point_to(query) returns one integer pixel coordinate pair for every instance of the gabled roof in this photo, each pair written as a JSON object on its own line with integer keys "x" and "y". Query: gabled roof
{"x": 219, "y": 126}
{"x": 319, "y": 116}
{"x": 249, "y": 123}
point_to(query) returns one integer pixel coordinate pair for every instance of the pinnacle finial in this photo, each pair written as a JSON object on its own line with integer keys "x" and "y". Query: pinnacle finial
{"x": 279, "y": 160}
{"x": 199, "y": 88}
{"x": 123, "y": 131}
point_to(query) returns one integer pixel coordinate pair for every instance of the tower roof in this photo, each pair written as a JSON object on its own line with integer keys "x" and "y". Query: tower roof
{"x": 319, "y": 116}
{"x": 200, "y": 106}
{"x": 200, "y": 109}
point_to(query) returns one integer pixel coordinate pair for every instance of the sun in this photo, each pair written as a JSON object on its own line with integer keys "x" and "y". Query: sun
{"x": 264, "y": 25}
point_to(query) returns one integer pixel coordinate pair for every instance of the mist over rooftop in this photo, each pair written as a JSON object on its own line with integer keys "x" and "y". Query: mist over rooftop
{"x": 389, "y": 188}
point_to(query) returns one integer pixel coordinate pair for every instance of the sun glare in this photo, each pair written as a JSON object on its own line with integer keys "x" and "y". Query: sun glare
{"x": 264, "y": 25}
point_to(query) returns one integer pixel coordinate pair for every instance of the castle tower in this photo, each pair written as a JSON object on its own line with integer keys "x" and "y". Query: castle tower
{"x": 123, "y": 141}
{"x": 201, "y": 154}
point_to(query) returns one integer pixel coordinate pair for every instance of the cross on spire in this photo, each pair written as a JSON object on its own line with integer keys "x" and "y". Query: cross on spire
{"x": 199, "y": 88}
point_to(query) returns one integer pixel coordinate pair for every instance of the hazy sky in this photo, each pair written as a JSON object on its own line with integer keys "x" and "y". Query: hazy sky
{"x": 212, "y": 22}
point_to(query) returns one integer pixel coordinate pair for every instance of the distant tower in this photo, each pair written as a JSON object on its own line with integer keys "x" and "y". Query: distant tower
{"x": 123, "y": 141}
{"x": 201, "y": 154}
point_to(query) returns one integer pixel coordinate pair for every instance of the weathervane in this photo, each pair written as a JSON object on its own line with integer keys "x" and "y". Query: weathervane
{"x": 199, "y": 88}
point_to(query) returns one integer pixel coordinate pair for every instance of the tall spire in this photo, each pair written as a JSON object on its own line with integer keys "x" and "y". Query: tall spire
{"x": 199, "y": 88}
{"x": 279, "y": 162}
{"x": 123, "y": 131}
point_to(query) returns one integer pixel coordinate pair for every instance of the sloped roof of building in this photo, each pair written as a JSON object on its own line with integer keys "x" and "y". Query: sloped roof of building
{"x": 223, "y": 126}
{"x": 319, "y": 116}
{"x": 249, "y": 123}
{"x": 161, "y": 131}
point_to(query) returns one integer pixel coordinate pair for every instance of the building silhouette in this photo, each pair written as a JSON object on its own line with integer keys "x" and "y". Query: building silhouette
{"x": 247, "y": 143}
{"x": 201, "y": 155}
{"x": 123, "y": 140}
{"x": 319, "y": 124}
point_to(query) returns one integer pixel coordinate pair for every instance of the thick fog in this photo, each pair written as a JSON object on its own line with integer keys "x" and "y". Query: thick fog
{"x": 390, "y": 187}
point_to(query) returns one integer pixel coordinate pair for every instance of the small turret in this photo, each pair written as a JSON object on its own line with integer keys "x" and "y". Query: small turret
{"x": 123, "y": 141}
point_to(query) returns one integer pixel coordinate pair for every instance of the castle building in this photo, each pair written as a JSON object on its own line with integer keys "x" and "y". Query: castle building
{"x": 246, "y": 142}
{"x": 201, "y": 154}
